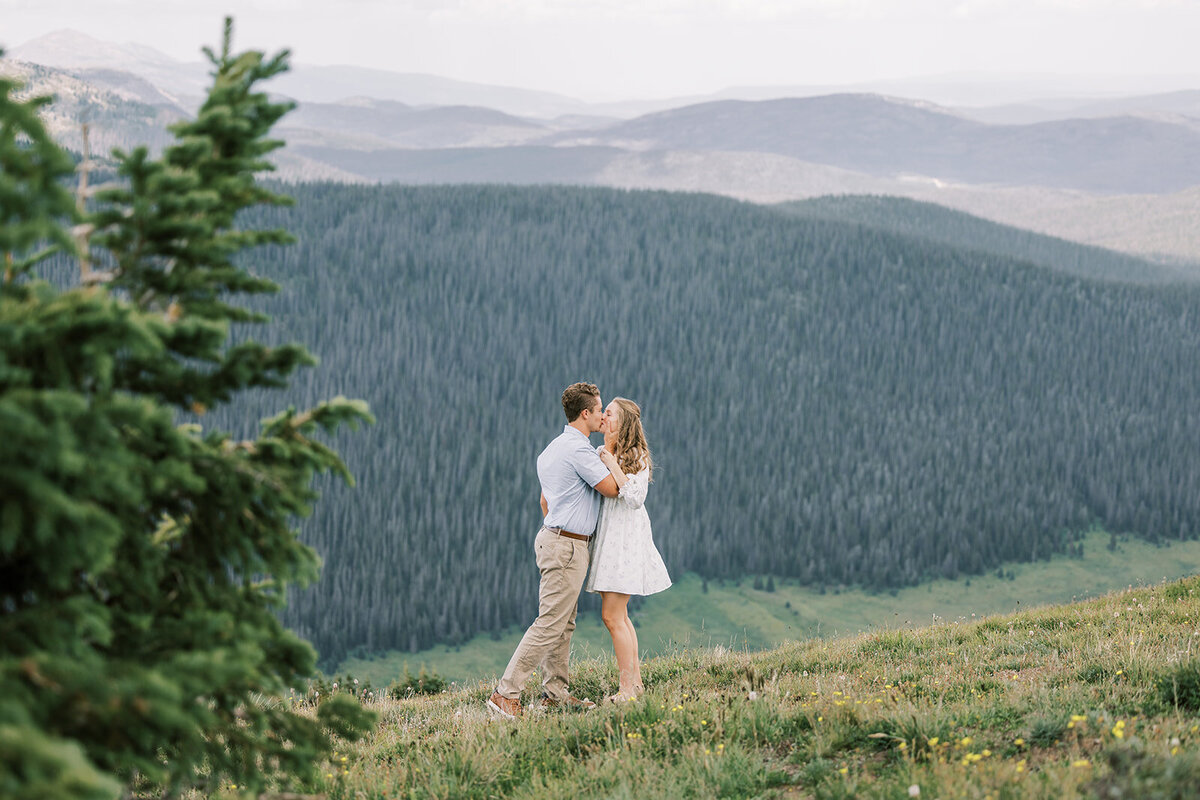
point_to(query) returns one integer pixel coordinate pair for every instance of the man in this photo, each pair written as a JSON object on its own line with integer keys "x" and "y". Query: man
{"x": 573, "y": 478}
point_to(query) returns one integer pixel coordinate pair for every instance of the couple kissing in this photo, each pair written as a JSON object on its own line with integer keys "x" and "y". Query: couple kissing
{"x": 593, "y": 511}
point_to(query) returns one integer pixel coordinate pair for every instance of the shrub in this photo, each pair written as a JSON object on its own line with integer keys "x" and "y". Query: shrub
{"x": 1181, "y": 687}
{"x": 816, "y": 771}
{"x": 1045, "y": 731}
{"x": 1181, "y": 589}
{"x": 1137, "y": 775}
{"x": 424, "y": 682}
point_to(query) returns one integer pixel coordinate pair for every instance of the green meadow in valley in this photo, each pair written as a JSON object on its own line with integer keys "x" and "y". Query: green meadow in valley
{"x": 740, "y": 617}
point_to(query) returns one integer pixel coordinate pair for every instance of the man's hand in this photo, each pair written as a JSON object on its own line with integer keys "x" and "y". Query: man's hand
{"x": 545, "y": 507}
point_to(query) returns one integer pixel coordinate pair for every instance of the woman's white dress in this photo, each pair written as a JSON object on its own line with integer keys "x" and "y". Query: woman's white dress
{"x": 624, "y": 558}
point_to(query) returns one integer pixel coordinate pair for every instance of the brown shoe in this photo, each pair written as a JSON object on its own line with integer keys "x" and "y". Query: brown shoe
{"x": 570, "y": 703}
{"x": 503, "y": 707}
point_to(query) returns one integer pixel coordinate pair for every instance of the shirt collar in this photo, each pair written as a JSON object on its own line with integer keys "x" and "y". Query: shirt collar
{"x": 574, "y": 430}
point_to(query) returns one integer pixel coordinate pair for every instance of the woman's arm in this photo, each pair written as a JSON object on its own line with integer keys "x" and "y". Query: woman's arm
{"x": 610, "y": 461}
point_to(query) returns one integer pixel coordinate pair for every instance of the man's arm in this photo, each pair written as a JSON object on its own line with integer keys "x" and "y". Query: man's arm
{"x": 589, "y": 467}
{"x": 608, "y": 487}
{"x": 545, "y": 508}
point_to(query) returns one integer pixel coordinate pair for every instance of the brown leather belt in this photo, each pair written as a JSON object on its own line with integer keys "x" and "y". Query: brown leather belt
{"x": 568, "y": 534}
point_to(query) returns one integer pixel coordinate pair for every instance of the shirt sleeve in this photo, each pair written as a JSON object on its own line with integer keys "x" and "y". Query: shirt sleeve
{"x": 589, "y": 466}
{"x": 633, "y": 493}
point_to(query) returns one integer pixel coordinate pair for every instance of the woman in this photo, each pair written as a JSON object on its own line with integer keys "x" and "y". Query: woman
{"x": 624, "y": 559}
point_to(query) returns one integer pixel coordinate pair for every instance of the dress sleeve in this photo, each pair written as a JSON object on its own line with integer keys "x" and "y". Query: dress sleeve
{"x": 633, "y": 493}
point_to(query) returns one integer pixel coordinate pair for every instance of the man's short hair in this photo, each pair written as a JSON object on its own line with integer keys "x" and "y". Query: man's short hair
{"x": 579, "y": 397}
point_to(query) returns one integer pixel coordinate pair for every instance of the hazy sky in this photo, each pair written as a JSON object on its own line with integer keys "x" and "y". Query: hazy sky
{"x": 603, "y": 49}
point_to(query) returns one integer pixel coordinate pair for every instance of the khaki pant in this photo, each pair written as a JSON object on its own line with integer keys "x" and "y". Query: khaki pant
{"x": 563, "y": 563}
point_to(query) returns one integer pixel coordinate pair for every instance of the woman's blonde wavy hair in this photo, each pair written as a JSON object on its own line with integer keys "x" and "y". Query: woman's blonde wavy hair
{"x": 629, "y": 444}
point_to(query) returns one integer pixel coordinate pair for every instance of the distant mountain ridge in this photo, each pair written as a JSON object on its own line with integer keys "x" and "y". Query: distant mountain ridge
{"x": 887, "y": 136}
{"x": 1111, "y": 180}
{"x": 1046, "y": 96}
{"x": 402, "y": 125}
{"x": 870, "y": 134}
{"x": 72, "y": 50}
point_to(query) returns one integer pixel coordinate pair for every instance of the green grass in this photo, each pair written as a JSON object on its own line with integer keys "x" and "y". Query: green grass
{"x": 1093, "y": 699}
{"x": 741, "y": 618}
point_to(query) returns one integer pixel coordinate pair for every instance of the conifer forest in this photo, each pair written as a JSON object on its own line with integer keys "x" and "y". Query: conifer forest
{"x": 826, "y": 401}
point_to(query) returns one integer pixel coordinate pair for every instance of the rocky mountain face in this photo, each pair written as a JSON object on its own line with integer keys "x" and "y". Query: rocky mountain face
{"x": 116, "y": 106}
{"x": 77, "y": 52}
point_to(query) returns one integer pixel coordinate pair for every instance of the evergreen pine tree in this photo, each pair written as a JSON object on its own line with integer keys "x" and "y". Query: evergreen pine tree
{"x": 49, "y": 533}
{"x": 142, "y": 561}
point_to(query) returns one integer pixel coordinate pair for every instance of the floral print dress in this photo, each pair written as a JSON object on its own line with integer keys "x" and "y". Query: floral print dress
{"x": 624, "y": 558}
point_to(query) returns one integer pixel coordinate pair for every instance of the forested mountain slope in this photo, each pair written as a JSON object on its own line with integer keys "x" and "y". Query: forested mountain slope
{"x": 825, "y": 401}
{"x": 940, "y": 224}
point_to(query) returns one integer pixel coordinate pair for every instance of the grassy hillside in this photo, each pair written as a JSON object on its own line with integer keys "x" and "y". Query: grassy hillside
{"x": 1094, "y": 699}
{"x": 738, "y": 616}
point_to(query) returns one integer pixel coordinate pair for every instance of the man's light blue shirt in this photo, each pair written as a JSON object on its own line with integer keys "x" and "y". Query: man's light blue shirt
{"x": 568, "y": 469}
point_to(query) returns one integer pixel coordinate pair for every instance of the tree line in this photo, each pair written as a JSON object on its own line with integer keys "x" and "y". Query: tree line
{"x": 827, "y": 401}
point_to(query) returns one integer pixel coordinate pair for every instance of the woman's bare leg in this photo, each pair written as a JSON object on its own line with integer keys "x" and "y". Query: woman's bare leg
{"x": 615, "y": 613}
{"x": 638, "y": 687}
